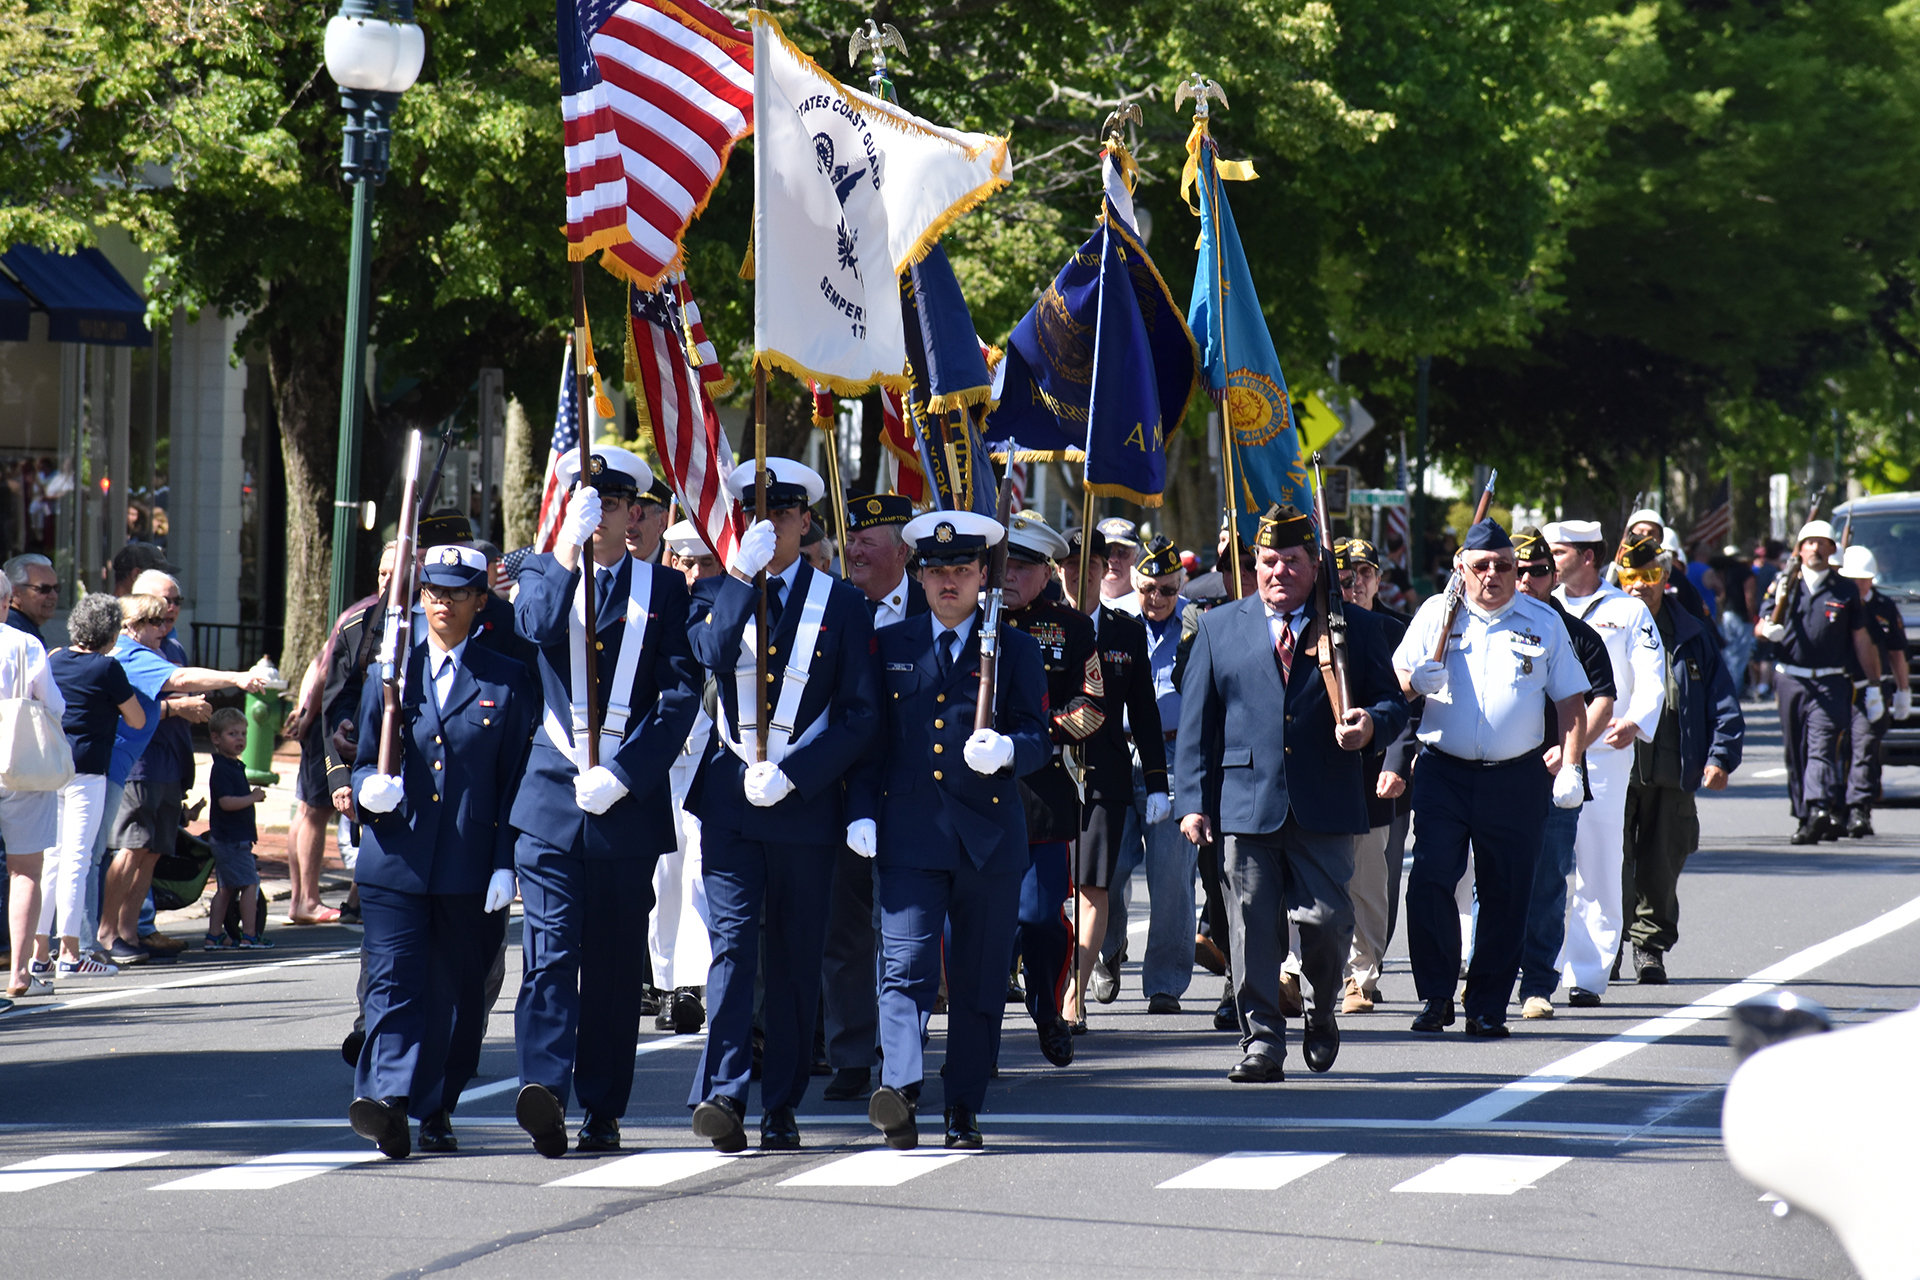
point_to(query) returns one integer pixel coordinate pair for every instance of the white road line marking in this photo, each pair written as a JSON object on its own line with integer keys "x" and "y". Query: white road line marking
{"x": 1250, "y": 1171}
{"x": 207, "y": 979}
{"x": 270, "y": 1171}
{"x": 882, "y": 1168}
{"x": 479, "y": 1091}
{"x": 1492, "y": 1106}
{"x": 1769, "y": 773}
{"x": 47, "y": 1170}
{"x": 1483, "y": 1175}
{"x": 648, "y": 1169}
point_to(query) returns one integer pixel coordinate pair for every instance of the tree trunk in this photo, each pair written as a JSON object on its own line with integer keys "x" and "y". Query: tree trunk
{"x": 520, "y": 487}
{"x": 303, "y": 362}
{"x": 1191, "y": 516}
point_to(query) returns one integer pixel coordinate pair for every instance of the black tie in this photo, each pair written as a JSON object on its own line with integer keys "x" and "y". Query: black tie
{"x": 873, "y": 608}
{"x": 602, "y": 588}
{"x": 943, "y": 653}
{"x": 774, "y": 591}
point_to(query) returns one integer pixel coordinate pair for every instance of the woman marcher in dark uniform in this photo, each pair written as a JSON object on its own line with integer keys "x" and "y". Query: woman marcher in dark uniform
{"x": 436, "y": 860}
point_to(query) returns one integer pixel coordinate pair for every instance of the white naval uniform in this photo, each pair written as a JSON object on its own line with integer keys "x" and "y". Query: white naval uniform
{"x": 677, "y": 930}
{"x": 1594, "y": 921}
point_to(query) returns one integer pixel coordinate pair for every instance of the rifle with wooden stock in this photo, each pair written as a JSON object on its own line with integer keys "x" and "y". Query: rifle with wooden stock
{"x": 996, "y": 599}
{"x": 1457, "y": 583}
{"x": 1333, "y": 605}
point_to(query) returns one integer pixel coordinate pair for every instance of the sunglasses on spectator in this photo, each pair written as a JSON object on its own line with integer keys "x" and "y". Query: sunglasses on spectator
{"x": 1165, "y": 593}
{"x": 1497, "y": 565}
{"x": 449, "y": 595}
{"x": 1536, "y": 571}
{"x": 41, "y": 588}
{"x": 1642, "y": 577}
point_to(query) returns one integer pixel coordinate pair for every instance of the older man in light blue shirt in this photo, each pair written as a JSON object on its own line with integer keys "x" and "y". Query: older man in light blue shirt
{"x": 1483, "y": 777}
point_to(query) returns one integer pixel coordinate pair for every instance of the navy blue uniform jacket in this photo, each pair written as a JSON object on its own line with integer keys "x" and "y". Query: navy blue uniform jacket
{"x": 460, "y": 766}
{"x": 1250, "y": 752}
{"x": 930, "y": 806}
{"x": 664, "y": 700}
{"x": 842, "y": 685}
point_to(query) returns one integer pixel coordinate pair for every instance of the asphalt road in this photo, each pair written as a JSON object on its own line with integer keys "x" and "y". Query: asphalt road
{"x": 190, "y": 1119}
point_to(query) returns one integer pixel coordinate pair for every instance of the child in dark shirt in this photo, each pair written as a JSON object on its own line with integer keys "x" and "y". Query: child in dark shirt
{"x": 231, "y": 831}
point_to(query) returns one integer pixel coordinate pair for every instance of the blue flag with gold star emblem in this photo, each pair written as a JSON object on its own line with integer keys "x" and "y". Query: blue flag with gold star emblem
{"x": 1102, "y": 367}
{"x": 1241, "y": 368}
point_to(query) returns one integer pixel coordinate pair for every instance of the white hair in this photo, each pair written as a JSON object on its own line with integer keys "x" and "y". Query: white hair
{"x": 149, "y": 581}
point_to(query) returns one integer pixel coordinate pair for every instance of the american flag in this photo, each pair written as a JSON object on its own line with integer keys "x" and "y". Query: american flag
{"x": 897, "y": 436}
{"x": 566, "y": 439}
{"x": 654, "y": 94}
{"x": 687, "y": 435}
{"x": 1714, "y": 527}
{"x": 1018, "y": 470}
{"x": 1396, "y": 522}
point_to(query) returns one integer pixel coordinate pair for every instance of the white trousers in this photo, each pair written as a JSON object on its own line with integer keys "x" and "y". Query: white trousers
{"x": 677, "y": 935}
{"x": 1463, "y": 900}
{"x": 1599, "y": 848}
{"x": 68, "y": 866}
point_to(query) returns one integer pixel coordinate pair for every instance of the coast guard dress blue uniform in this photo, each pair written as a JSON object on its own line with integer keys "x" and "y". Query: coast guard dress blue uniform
{"x": 586, "y": 880}
{"x": 424, "y": 868}
{"x": 775, "y": 863}
{"x": 952, "y": 843}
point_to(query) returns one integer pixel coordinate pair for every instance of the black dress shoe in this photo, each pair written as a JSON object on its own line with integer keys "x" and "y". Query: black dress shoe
{"x": 685, "y": 1014}
{"x": 1581, "y": 998}
{"x": 1321, "y": 1044}
{"x": 963, "y": 1129}
{"x": 1860, "y": 822}
{"x": 891, "y": 1112}
{"x": 540, "y": 1113}
{"x": 651, "y": 1004}
{"x": 351, "y": 1046}
{"x": 1437, "y": 1016}
{"x": 779, "y": 1131}
{"x": 721, "y": 1121}
{"x": 383, "y": 1122}
{"x": 1256, "y": 1068}
{"x": 849, "y": 1084}
{"x": 1056, "y": 1042}
{"x": 1650, "y": 967}
{"x": 1105, "y": 986}
{"x": 1487, "y": 1030}
{"x": 1808, "y": 831}
{"x": 599, "y": 1134}
{"x": 436, "y": 1134}
{"x": 1161, "y": 1002}
{"x": 1227, "y": 1016}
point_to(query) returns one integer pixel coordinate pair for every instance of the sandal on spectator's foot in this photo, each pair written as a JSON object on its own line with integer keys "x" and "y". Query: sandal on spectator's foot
{"x": 218, "y": 942}
{"x": 325, "y": 915}
{"x": 32, "y": 987}
{"x": 254, "y": 942}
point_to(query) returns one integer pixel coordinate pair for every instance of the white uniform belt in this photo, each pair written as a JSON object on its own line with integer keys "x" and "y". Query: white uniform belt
{"x": 1808, "y": 673}
{"x": 781, "y": 739}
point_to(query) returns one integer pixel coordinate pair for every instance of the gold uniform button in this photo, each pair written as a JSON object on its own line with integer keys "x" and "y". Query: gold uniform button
{"x": 939, "y": 724}
{"x": 436, "y": 797}
{"x": 437, "y": 740}
{"x": 436, "y": 764}
{"x": 773, "y": 648}
{"x": 1289, "y": 750}
{"x": 769, "y": 677}
{"x": 937, "y": 775}
{"x": 896, "y": 697}
{"x": 939, "y": 697}
{"x": 937, "y": 749}
{"x": 599, "y": 644}
{"x": 996, "y": 799}
{"x": 486, "y": 722}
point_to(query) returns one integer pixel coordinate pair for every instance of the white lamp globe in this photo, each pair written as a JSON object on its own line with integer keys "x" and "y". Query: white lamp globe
{"x": 409, "y": 52}
{"x": 361, "y": 53}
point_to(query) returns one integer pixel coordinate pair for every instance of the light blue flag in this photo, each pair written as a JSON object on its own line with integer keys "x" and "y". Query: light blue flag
{"x": 1237, "y": 358}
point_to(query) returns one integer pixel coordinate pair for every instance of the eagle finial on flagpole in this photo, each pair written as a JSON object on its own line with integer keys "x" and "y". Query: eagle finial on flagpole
{"x": 1117, "y": 120}
{"x": 1199, "y": 88}
{"x": 876, "y": 39}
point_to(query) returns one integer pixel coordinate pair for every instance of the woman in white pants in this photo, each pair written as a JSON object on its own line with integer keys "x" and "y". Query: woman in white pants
{"x": 95, "y": 693}
{"x": 29, "y": 820}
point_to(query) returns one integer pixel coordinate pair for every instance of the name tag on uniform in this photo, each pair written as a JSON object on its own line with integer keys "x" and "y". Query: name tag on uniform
{"x": 899, "y": 666}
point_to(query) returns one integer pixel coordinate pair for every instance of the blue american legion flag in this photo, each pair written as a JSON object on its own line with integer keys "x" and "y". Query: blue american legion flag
{"x": 566, "y": 439}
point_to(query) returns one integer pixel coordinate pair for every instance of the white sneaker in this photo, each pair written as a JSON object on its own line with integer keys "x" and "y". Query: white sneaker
{"x": 40, "y": 968}
{"x": 86, "y": 967}
{"x": 1537, "y": 1007}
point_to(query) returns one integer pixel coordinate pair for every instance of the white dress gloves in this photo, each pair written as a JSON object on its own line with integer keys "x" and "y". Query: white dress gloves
{"x": 1427, "y": 677}
{"x": 988, "y": 752}
{"x": 1774, "y": 631}
{"x": 1567, "y": 791}
{"x": 381, "y": 793}
{"x": 756, "y": 548}
{"x": 500, "y": 890}
{"x": 583, "y": 517}
{"x": 1873, "y": 702}
{"x": 1902, "y": 703}
{"x": 766, "y": 786}
{"x": 598, "y": 789}
{"x": 1159, "y": 805}
{"x": 863, "y": 837}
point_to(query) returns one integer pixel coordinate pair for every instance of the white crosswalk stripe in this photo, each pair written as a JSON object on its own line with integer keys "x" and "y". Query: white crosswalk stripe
{"x": 47, "y": 1170}
{"x": 1483, "y": 1175}
{"x": 1251, "y": 1171}
{"x": 884, "y": 1168}
{"x": 270, "y": 1171}
{"x": 648, "y": 1169}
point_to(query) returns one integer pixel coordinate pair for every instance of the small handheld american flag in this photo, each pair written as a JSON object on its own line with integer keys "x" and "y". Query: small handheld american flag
{"x": 566, "y": 439}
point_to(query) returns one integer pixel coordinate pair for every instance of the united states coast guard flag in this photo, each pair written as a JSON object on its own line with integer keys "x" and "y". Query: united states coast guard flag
{"x": 1242, "y": 370}
{"x": 849, "y": 192}
{"x": 1103, "y": 366}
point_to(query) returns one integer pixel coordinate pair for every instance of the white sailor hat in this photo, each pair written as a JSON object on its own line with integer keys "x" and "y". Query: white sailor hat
{"x": 951, "y": 537}
{"x": 610, "y": 469}
{"x": 1646, "y": 515}
{"x": 1031, "y": 538}
{"x": 684, "y": 540}
{"x": 789, "y": 483}
{"x": 1573, "y": 531}
{"x": 1815, "y": 529}
{"x": 1858, "y": 562}
{"x": 454, "y": 566}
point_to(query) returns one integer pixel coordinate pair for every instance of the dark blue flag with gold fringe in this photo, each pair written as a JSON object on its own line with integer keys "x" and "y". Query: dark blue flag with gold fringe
{"x": 951, "y": 385}
{"x": 1103, "y": 366}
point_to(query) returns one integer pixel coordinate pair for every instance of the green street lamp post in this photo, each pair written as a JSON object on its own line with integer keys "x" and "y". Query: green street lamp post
{"x": 374, "y": 52}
